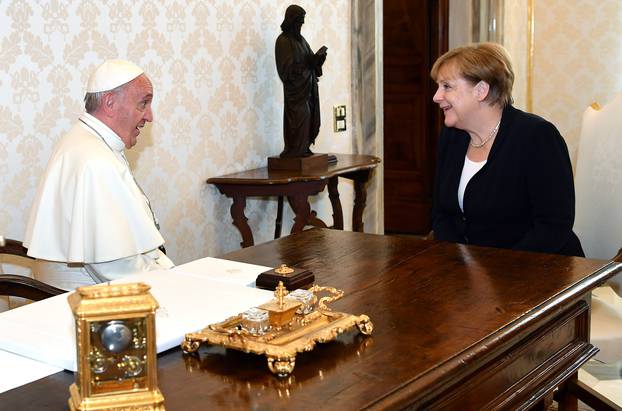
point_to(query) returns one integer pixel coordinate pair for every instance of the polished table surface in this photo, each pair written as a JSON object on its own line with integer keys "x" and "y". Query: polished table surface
{"x": 262, "y": 176}
{"x": 456, "y": 327}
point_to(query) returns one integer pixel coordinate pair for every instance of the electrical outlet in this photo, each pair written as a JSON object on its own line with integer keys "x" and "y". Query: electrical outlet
{"x": 339, "y": 115}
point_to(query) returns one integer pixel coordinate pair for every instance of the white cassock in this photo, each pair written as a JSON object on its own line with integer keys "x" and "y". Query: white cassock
{"x": 90, "y": 221}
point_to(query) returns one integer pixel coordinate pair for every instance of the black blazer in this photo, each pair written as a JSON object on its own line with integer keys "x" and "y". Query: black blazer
{"x": 523, "y": 197}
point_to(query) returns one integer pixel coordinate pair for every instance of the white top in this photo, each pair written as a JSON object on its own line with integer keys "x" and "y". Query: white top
{"x": 468, "y": 171}
{"x": 88, "y": 207}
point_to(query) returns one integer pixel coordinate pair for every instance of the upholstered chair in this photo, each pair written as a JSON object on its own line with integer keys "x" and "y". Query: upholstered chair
{"x": 598, "y": 223}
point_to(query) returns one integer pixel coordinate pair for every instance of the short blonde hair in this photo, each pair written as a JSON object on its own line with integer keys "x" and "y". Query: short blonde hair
{"x": 489, "y": 62}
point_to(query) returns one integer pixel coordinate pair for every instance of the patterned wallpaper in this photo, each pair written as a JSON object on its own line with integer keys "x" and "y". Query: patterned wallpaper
{"x": 577, "y": 56}
{"x": 217, "y": 104}
{"x": 218, "y": 100}
{"x": 577, "y": 60}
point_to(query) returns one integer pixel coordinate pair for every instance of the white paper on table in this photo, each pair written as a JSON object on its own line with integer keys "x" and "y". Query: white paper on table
{"x": 190, "y": 303}
{"x": 232, "y": 272}
{"x": 44, "y": 330}
{"x": 23, "y": 370}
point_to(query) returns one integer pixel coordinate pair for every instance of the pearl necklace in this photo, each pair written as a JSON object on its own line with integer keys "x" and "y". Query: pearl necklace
{"x": 491, "y": 135}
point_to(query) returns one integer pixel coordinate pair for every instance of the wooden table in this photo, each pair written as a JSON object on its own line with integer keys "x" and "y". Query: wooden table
{"x": 456, "y": 327}
{"x": 297, "y": 187}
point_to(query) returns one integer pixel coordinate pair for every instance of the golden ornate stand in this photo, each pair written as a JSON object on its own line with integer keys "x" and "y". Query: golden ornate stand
{"x": 281, "y": 343}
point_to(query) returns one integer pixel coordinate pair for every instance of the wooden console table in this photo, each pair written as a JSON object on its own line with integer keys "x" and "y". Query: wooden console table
{"x": 297, "y": 187}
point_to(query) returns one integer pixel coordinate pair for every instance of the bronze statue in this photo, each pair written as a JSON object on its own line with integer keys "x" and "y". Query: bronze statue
{"x": 299, "y": 69}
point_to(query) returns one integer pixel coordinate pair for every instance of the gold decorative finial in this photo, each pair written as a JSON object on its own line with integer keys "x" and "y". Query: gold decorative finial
{"x": 280, "y": 292}
{"x": 283, "y": 269}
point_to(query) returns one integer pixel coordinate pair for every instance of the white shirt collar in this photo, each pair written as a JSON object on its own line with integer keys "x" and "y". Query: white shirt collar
{"x": 110, "y": 137}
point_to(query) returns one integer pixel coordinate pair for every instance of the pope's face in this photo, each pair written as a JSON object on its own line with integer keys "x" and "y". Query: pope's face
{"x": 456, "y": 96}
{"x": 133, "y": 109}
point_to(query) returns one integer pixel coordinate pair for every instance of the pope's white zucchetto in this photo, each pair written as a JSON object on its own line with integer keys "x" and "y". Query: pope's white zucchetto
{"x": 112, "y": 74}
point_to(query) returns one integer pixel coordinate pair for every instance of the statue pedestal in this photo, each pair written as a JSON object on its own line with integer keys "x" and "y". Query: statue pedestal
{"x": 314, "y": 162}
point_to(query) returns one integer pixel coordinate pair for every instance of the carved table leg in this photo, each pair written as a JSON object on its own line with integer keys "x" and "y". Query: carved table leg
{"x": 240, "y": 220}
{"x": 566, "y": 400}
{"x": 314, "y": 221}
{"x": 279, "y": 218}
{"x": 544, "y": 404}
{"x": 302, "y": 209}
{"x": 333, "y": 194}
{"x": 360, "y": 199}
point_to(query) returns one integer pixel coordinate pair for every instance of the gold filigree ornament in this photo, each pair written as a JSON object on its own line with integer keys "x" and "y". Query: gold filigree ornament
{"x": 283, "y": 269}
{"x": 291, "y": 331}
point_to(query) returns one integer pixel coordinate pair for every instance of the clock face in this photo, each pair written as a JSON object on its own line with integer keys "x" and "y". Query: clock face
{"x": 118, "y": 355}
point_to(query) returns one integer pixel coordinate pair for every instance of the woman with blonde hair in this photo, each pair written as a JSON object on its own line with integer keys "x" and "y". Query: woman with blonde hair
{"x": 503, "y": 177}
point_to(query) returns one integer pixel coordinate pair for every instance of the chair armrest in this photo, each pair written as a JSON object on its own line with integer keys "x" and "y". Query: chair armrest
{"x": 13, "y": 247}
{"x": 26, "y": 287}
{"x": 591, "y": 397}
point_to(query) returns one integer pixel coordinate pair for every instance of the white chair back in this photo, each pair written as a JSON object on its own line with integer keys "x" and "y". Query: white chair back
{"x": 598, "y": 219}
{"x": 598, "y": 181}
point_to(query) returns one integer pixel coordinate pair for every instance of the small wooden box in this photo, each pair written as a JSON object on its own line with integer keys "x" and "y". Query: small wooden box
{"x": 297, "y": 278}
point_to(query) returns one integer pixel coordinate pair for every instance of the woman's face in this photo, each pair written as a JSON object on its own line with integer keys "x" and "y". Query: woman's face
{"x": 456, "y": 96}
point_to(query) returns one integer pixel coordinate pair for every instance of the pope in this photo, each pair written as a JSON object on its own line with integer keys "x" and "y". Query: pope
{"x": 90, "y": 221}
